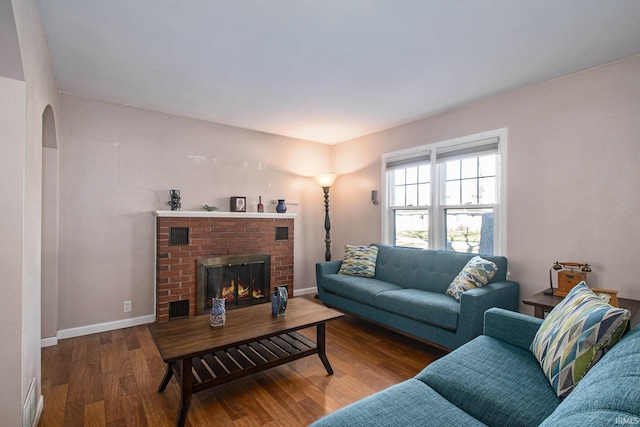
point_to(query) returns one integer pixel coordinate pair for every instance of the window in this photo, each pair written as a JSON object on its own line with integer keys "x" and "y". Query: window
{"x": 447, "y": 195}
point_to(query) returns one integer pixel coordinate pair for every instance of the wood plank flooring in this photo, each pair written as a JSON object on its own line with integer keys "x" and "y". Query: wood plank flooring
{"x": 111, "y": 379}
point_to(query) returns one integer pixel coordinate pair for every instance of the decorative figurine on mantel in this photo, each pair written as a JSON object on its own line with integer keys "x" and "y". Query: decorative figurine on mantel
{"x": 175, "y": 200}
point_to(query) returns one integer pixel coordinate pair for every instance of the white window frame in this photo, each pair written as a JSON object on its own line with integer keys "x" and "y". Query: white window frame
{"x": 437, "y": 207}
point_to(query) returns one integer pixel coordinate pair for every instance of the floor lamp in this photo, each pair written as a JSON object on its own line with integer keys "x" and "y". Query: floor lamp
{"x": 326, "y": 181}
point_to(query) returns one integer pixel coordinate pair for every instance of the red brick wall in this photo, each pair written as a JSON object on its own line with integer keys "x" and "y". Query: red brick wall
{"x": 210, "y": 237}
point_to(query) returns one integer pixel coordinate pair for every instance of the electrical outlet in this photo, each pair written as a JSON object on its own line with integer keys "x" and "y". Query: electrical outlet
{"x": 127, "y": 306}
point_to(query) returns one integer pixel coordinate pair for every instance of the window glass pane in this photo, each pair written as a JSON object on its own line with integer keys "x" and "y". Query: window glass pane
{"x": 424, "y": 173}
{"x": 424, "y": 194}
{"x": 412, "y": 195}
{"x": 469, "y": 230}
{"x": 469, "y": 168}
{"x": 487, "y": 189}
{"x": 487, "y": 165}
{"x": 399, "y": 196}
{"x": 452, "y": 169}
{"x": 412, "y": 175}
{"x": 412, "y": 228}
{"x": 398, "y": 176}
{"x": 469, "y": 192}
{"x": 452, "y": 193}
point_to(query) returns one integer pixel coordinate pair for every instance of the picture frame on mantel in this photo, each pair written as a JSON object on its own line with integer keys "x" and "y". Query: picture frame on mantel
{"x": 238, "y": 204}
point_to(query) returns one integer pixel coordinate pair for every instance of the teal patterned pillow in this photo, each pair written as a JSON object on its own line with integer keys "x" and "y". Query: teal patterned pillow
{"x": 359, "y": 260}
{"x": 575, "y": 335}
{"x": 475, "y": 274}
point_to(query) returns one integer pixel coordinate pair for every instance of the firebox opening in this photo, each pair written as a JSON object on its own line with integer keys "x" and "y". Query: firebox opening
{"x": 239, "y": 279}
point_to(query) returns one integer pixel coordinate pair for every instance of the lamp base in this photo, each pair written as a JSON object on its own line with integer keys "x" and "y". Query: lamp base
{"x": 549, "y": 291}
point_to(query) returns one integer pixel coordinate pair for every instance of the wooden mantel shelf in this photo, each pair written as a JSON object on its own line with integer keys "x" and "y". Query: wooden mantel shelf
{"x": 218, "y": 214}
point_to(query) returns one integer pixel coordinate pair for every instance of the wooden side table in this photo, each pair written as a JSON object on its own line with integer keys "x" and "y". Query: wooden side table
{"x": 545, "y": 303}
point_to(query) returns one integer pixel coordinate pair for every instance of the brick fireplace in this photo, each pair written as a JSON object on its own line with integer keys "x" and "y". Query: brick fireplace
{"x": 184, "y": 237}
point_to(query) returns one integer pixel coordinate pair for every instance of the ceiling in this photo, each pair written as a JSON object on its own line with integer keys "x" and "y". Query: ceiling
{"x": 330, "y": 70}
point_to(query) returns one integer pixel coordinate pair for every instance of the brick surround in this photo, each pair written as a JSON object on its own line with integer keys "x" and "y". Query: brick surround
{"x": 216, "y": 234}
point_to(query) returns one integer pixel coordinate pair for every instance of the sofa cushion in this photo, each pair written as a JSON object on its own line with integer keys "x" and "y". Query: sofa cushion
{"x": 360, "y": 289}
{"x": 574, "y": 335}
{"x": 476, "y": 273}
{"x": 426, "y": 269}
{"x": 410, "y": 403}
{"x": 495, "y": 382}
{"x": 430, "y": 307}
{"x": 608, "y": 394}
{"x": 359, "y": 260}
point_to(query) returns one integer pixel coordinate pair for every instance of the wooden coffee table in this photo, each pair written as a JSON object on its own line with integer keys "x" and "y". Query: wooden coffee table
{"x": 201, "y": 356}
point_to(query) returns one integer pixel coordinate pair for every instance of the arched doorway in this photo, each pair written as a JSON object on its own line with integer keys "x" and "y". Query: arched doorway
{"x": 50, "y": 228}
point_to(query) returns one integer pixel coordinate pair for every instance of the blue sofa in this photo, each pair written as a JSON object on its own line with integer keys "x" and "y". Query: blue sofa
{"x": 495, "y": 380}
{"x": 407, "y": 294}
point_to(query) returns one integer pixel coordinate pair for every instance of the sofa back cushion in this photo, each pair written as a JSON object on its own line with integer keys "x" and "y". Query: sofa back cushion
{"x": 427, "y": 269}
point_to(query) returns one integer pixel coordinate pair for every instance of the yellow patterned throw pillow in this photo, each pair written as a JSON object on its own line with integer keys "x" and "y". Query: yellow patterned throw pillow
{"x": 475, "y": 274}
{"x": 575, "y": 335}
{"x": 359, "y": 260}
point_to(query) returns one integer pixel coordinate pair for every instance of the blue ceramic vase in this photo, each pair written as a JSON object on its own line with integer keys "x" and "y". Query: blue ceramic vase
{"x": 279, "y": 301}
{"x": 281, "y": 207}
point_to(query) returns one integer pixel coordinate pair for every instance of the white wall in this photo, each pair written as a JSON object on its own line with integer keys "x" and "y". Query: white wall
{"x": 117, "y": 165}
{"x": 572, "y": 174}
{"x": 23, "y": 175}
{"x": 12, "y": 123}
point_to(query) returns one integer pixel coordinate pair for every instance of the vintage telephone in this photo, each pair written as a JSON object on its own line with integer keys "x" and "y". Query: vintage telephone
{"x": 569, "y": 275}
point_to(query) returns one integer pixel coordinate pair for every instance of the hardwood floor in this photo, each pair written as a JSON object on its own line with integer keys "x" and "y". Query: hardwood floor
{"x": 111, "y": 379}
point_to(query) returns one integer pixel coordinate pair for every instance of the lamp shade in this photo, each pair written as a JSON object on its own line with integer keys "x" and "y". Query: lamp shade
{"x": 326, "y": 180}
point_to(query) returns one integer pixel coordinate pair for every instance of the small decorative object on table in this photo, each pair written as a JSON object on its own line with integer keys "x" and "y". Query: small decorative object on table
{"x": 569, "y": 275}
{"x": 281, "y": 207}
{"x": 238, "y": 204}
{"x": 260, "y": 205}
{"x": 175, "y": 200}
{"x": 279, "y": 301}
{"x": 218, "y": 312}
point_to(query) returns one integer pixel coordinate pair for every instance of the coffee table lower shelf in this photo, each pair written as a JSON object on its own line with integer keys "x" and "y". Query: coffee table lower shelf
{"x": 209, "y": 370}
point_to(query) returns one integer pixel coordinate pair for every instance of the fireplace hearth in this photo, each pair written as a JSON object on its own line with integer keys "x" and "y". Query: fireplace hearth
{"x": 239, "y": 279}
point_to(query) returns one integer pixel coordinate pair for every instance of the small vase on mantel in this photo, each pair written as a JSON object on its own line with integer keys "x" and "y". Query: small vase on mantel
{"x": 281, "y": 207}
{"x": 260, "y": 205}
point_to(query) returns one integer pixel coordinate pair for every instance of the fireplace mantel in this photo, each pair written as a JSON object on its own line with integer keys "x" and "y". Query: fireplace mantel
{"x": 218, "y": 214}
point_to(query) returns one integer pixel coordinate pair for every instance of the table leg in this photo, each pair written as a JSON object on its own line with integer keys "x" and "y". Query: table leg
{"x": 185, "y": 392}
{"x": 538, "y": 312}
{"x": 165, "y": 379}
{"x": 322, "y": 349}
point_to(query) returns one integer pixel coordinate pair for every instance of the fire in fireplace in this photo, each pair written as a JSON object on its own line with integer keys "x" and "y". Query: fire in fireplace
{"x": 239, "y": 279}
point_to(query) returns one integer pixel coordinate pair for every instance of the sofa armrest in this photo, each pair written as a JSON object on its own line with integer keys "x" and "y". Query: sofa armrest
{"x": 473, "y": 303}
{"x": 328, "y": 267}
{"x": 511, "y": 327}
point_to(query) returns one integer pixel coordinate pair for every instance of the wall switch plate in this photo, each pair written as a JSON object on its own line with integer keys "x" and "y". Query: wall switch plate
{"x": 127, "y": 306}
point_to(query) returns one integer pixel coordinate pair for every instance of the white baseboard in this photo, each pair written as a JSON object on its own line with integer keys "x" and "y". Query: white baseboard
{"x": 305, "y": 291}
{"x": 94, "y": 329}
{"x": 126, "y": 323}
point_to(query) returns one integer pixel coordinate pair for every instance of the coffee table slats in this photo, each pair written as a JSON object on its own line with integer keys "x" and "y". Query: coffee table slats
{"x": 262, "y": 351}
{"x": 227, "y": 362}
{"x": 270, "y": 344}
{"x": 255, "y": 358}
{"x": 240, "y": 358}
{"x": 304, "y": 342}
{"x": 285, "y": 345}
{"x": 214, "y": 365}
{"x": 201, "y": 371}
